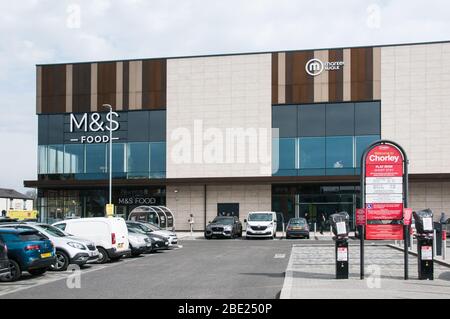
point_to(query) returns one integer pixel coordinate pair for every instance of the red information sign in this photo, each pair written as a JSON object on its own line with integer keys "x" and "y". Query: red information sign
{"x": 384, "y": 192}
{"x": 407, "y": 216}
{"x": 384, "y": 232}
{"x": 360, "y": 216}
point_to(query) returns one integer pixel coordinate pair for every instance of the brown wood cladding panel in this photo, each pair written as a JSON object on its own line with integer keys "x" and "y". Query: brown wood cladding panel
{"x": 274, "y": 78}
{"x": 362, "y": 74}
{"x": 299, "y": 85}
{"x": 81, "y": 87}
{"x": 53, "y": 89}
{"x": 126, "y": 84}
{"x": 336, "y": 78}
{"x": 106, "y": 84}
{"x": 154, "y": 84}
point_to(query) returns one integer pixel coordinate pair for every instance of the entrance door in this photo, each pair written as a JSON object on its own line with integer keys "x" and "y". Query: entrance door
{"x": 228, "y": 209}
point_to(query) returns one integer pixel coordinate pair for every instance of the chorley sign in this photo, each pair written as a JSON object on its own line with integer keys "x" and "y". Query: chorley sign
{"x": 95, "y": 128}
{"x": 315, "y": 66}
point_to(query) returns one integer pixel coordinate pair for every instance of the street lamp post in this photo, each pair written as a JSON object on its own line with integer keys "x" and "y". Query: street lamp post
{"x": 110, "y": 151}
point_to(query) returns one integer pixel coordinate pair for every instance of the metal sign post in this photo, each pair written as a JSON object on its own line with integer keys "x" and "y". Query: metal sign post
{"x": 384, "y": 195}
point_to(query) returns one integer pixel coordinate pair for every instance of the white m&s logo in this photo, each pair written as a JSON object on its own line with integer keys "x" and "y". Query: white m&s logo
{"x": 314, "y": 67}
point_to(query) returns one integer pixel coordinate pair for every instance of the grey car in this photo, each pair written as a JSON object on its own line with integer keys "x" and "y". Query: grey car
{"x": 224, "y": 226}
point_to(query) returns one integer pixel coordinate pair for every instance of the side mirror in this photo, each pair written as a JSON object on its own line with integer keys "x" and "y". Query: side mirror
{"x": 209, "y": 222}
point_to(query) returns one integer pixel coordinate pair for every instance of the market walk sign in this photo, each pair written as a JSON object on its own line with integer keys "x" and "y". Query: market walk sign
{"x": 93, "y": 127}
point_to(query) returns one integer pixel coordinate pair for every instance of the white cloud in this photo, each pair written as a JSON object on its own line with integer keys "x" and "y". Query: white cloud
{"x": 33, "y": 31}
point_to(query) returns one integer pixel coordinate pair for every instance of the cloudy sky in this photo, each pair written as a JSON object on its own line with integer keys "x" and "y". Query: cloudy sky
{"x": 53, "y": 31}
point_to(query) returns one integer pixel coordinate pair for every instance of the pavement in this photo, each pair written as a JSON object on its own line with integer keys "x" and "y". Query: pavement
{"x": 311, "y": 274}
{"x": 185, "y": 235}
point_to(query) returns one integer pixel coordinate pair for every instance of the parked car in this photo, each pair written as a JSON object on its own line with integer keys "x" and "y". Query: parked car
{"x": 28, "y": 250}
{"x": 224, "y": 226}
{"x": 4, "y": 262}
{"x": 69, "y": 249}
{"x": 139, "y": 242}
{"x": 297, "y": 227}
{"x": 172, "y": 236}
{"x": 159, "y": 241}
{"x": 110, "y": 235}
{"x": 261, "y": 224}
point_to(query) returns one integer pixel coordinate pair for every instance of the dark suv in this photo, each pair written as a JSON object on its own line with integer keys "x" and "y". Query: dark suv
{"x": 224, "y": 226}
{"x": 4, "y": 263}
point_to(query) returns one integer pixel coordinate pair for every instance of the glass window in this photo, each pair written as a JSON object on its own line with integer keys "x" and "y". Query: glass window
{"x": 312, "y": 152}
{"x": 361, "y": 144}
{"x": 55, "y": 159}
{"x": 311, "y": 120}
{"x": 96, "y": 158}
{"x": 138, "y": 159}
{"x": 339, "y": 152}
{"x": 285, "y": 119}
{"x": 367, "y": 118}
{"x": 157, "y": 157}
{"x": 42, "y": 159}
{"x": 118, "y": 157}
{"x": 74, "y": 159}
{"x": 340, "y": 119}
{"x": 286, "y": 156}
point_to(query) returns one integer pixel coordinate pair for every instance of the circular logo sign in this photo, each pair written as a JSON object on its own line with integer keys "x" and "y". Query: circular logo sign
{"x": 314, "y": 67}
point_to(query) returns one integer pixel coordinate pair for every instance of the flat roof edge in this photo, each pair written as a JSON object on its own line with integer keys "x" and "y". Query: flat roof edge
{"x": 250, "y": 53}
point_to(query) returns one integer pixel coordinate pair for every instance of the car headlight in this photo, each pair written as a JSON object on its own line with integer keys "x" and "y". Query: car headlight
{"x": 76, "y": 245}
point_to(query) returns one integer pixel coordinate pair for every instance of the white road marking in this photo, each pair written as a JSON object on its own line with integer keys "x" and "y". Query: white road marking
{"x": 52, "y": 276}
{"x": 279, "y": 256}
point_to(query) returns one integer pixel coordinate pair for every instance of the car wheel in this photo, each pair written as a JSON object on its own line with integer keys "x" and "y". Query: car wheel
{"x": 62, "y": 261}
{"x": 102, "y": 255}
{"x": 14, "y": 272}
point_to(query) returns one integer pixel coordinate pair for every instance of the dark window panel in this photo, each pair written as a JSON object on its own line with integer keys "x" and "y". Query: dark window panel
{"x": 285, "y": 118}
{"x": 43, "y": 129}
{"x": 157, "y": 126}
{"x": 311, "y": 120}
{"x": 340, "y": 119}
{"x": 367, "y": 118}
{"x": 138, "y": 123}
{"x": 56, "y": 129}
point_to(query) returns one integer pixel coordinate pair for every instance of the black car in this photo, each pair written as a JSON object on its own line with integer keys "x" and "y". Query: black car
{"x": 224, "y": 226}
{"x": 158, "y": 242}
{"x": 297, "y": 227}
{"x": 4, "y": 262}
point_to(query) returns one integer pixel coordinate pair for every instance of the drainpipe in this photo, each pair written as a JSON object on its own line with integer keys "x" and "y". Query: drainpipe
{"x": 204, "y": 205}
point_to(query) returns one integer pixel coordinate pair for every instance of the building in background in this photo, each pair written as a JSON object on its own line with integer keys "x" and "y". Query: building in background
{"x": 195, "y": 133}
{"x": 12, "y": 200}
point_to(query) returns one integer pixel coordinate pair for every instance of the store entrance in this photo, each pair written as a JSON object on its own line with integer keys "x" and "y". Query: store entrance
{"x": 317, "y": 214}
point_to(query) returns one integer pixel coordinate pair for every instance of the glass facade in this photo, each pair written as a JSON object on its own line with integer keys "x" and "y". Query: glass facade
{"x": 90, "y": 161}
{"x": 324, "y": 139}
{"x": 311, "y": 200}
{"x": 55, "y": 205}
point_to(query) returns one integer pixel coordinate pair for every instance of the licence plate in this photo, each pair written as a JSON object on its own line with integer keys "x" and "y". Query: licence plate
{"x": 46, "y": 255}
{"x": 217, "y": 232}
{"x": 120, "y": 245}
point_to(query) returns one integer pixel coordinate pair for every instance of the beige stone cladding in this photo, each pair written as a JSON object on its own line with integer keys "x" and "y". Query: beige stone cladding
{"x": 433, "y": 195}
{"x": 415, "y": 103}
{"x": 218, "y": 93}
{"x": 189, "y": 199}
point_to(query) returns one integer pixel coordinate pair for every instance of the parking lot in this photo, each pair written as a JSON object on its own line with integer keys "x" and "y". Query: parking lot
{"x": 239, "y": 268}
{"x": 199, "y": 269}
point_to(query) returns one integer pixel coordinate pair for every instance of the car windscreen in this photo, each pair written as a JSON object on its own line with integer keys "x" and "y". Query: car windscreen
{"x": 225, "y": 221}
{"x": 260, "y": 217}
{"x": 152, "y": 226}
{"x": 300, "y": 222}
{"x": 52, "y": 230}
{"x": 140, "y": 227}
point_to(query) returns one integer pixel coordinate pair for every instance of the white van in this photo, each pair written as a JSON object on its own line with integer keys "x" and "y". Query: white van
{"x": 110, "y": 235}
{"x": 261, "y": 224}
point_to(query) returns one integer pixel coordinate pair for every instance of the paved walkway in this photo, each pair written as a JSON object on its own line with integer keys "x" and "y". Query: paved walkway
{"x": 311, "y": 274}
{"x": 185, "y": 235}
